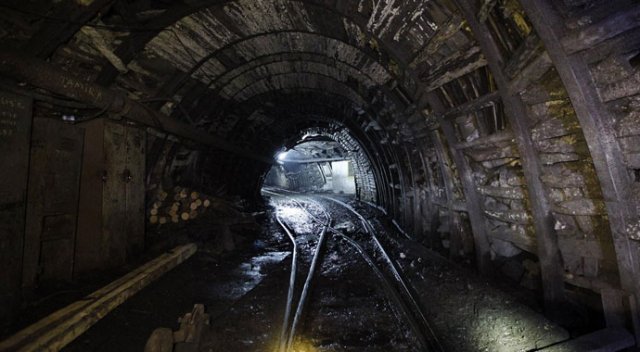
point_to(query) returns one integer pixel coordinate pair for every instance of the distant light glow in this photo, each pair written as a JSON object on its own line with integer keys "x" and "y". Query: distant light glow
{"x": 282, "y": 155}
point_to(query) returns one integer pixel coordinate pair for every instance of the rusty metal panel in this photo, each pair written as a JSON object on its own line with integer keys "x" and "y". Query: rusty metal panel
{"x": 54, "y": 181}
{"x": 114, "y": 216}
{"x": 15, "y": 131}
{"x": 135, "y": 189}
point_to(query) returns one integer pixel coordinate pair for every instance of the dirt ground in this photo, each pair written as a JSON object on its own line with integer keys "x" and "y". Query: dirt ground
{"x": 245, "y": 295}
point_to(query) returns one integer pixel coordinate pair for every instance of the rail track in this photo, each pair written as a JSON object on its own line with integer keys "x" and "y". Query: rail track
{"x": 367, "y": 244}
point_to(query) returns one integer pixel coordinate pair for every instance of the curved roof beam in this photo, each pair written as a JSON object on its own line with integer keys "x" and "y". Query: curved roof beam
{"x": 326, "y": 83}
{"x": 276, "y": 60}
{"x": 287, "y": 56}
{"x": 137, "y": 41}
{"x": 234, "y": 92}
{"x": 263, "y": 60}
{"x": 210, "y": 67}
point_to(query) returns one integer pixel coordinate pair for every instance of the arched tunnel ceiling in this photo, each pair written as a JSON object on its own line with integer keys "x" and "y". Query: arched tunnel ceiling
{"x": 241, "y": 49}
{"x": 516, "y": 130}
{"x": 219, "y": 55}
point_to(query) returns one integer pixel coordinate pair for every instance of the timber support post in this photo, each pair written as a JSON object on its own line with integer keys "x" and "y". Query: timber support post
{"x": 597, "y": 126}
{"x": 547, "y": 244}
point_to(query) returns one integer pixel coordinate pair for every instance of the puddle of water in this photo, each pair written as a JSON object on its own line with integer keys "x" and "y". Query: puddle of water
{"x": 247, "y": 276}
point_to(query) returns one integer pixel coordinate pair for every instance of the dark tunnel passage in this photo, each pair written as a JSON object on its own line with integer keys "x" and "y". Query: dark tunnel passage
{"x": 327, "y": 159}
{"x": 320, "y": 175}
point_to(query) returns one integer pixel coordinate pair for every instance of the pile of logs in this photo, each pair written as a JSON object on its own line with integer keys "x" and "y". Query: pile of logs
{"x": 181, "y": 204}
{"x": 221, "y": 220}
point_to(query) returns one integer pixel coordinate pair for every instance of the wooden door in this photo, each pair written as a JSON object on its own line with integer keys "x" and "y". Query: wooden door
{"x": 15, "y": 131}
{"x": 54, "y": 183}
{"x": 124, "y": 191}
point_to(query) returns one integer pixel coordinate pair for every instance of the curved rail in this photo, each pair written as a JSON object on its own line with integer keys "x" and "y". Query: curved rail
{"x": 305, "y": 291}
{"x": 292, "y": 283}
{"x": 389, "y": 288}
{"x": 395, "y": 271}
{"x": 288, "y": 334}
{"x": 419, "y": 325}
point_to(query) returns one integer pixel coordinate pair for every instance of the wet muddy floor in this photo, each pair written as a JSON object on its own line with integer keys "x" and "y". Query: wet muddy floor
{"x": 348, "y": 308}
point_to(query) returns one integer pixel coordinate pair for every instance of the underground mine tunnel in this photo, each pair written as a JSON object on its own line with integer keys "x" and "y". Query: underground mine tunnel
{"x": 320, "y": 175}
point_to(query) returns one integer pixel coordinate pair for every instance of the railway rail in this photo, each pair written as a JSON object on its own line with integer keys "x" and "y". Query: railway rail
{"x": 364, "y": 241}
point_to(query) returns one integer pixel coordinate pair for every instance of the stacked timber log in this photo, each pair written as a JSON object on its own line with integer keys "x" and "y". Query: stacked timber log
{"x": 221, "y": 225}
{"x": 182, "y": 204}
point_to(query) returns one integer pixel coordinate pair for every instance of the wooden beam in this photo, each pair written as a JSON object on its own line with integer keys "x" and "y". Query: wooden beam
{"x": 100, "y": 43}
{"x": 528, "y": 63}
{"x": 474, "y": 206}
{"x": 548, "y": 250}
{"x": 60, "y": 328}
{"x": 527, "y": 51}
{"x": 453, "y": 68}
{"x": 448, "y": 177}
{"x": 598, "y": 130}
{"x": 490, "y": 140}
{"x": 473, "y": 105}
{"x": 54, "y": 32}
{"x": 531, "y": 72}
{"x": 44, "y": 75}
{"x": 623, "y": 21}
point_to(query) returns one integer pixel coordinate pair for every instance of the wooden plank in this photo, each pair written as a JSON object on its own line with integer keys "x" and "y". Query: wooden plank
{"x": 15, "y": 132}
{"x": 585, "y": 38}
{"x": 57, "y": 330}
{"x": 538, "y": 67}
{"x": 114, "y": 206}
{"x": 88, "y": 254}
{"x": 529, "y": 50}
{"x": 473, "y": 105}
{"x": 444, "y": 161}
{"x": 474, "y": 206}
{"x": 453, "y": 68}
{"x": 547, "y": 242}
{"x": 490, "y": 140}
{"x": 136, "y": 143}
{"x": 54, "y": 181}
{"x": 35, "y": 204}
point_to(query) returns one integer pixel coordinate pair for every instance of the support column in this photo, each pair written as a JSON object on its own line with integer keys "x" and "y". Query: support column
{"x": 547, "y": 241}
{"x": 474, "y": 209}
{"x": 597, "y": 126}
